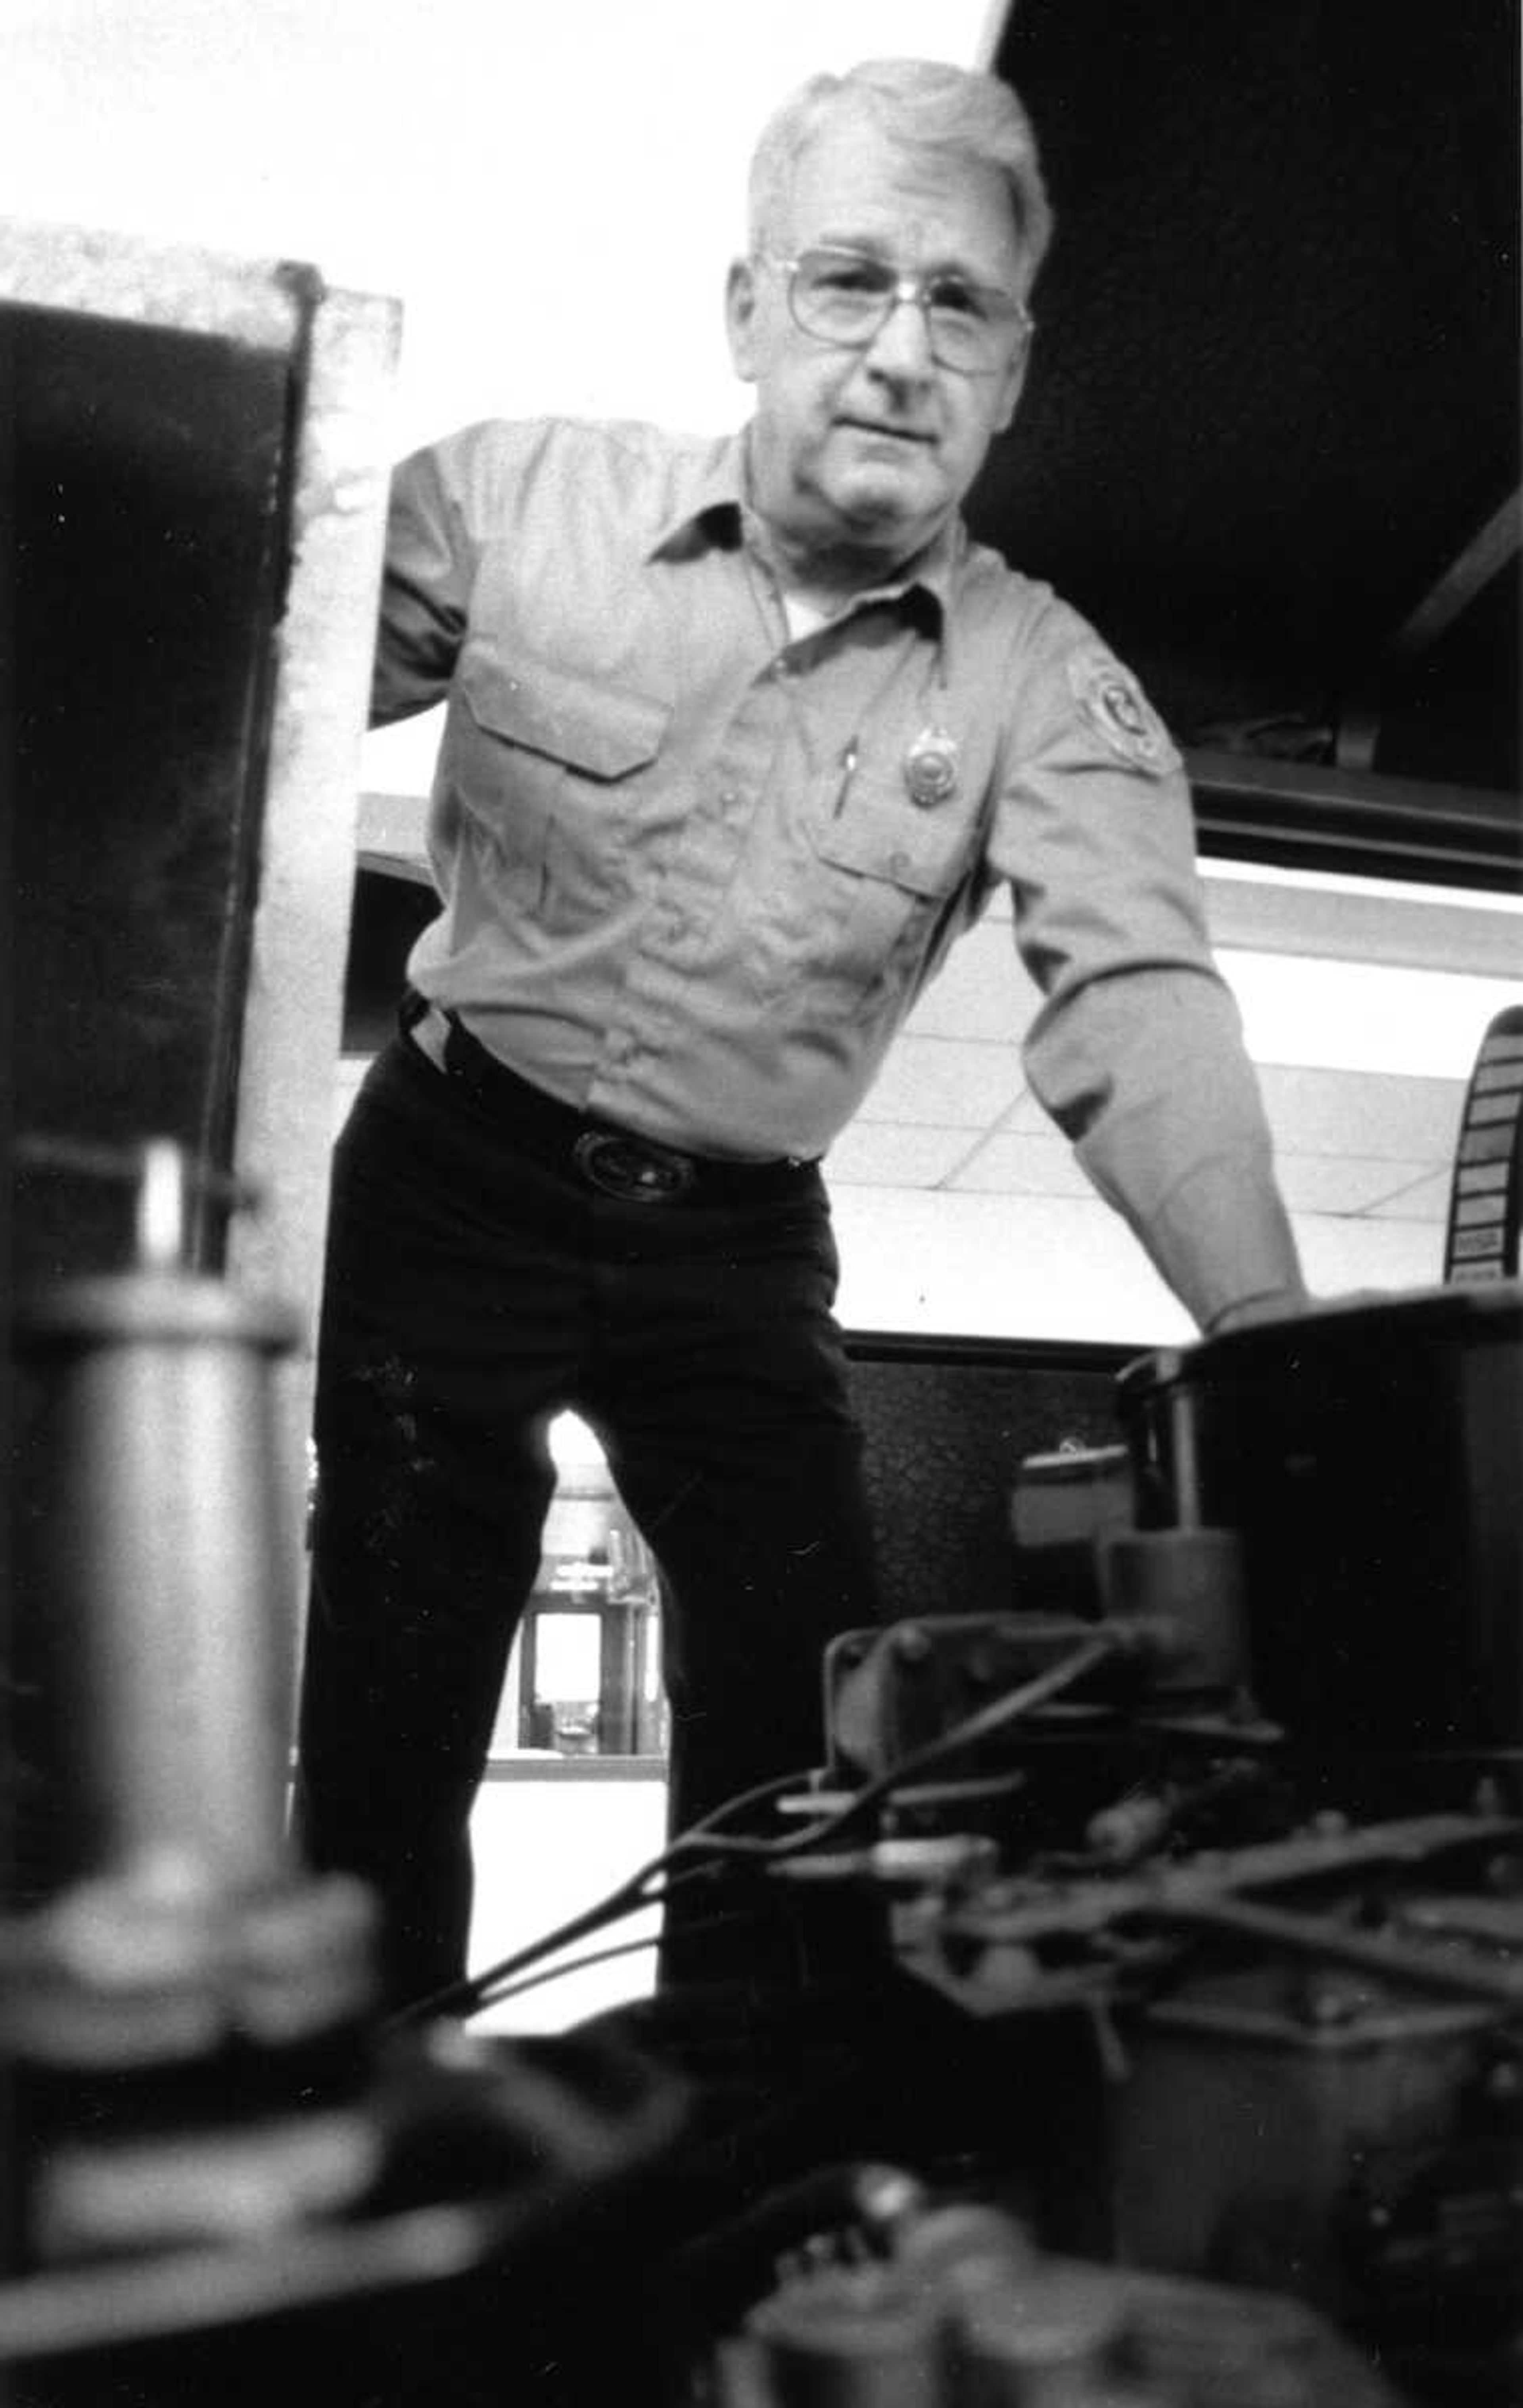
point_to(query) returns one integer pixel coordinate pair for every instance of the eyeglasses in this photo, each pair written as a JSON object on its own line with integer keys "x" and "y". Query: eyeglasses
{"x": 848, "y": 297}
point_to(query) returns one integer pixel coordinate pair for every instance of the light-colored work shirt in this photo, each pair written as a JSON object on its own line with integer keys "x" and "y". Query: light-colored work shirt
{"x": 694, "y": 868}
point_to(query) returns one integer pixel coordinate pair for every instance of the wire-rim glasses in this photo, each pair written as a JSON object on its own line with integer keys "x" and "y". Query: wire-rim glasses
{"x": 846, "y": 297}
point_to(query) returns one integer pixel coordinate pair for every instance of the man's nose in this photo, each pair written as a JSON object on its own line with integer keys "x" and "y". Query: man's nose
{"x": 901, "y": 346}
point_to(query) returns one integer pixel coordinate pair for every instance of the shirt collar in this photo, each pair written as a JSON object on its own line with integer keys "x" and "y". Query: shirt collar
{"x": 716, "y": 504}
{"x": 713, "y": 504}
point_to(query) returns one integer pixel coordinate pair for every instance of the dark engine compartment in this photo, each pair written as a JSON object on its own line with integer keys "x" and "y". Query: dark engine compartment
{"x": 1137, "y": 2012}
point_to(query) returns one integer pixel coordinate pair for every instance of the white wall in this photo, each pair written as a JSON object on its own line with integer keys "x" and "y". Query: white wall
{"x": 553, "y": 191}
{"x": 1032, "y": 1266}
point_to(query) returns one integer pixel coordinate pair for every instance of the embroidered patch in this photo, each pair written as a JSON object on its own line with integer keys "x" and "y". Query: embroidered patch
{"x": 1116, "y": 707}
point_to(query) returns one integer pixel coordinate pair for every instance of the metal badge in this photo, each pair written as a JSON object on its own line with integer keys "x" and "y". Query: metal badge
{"x": 930, "y": 767}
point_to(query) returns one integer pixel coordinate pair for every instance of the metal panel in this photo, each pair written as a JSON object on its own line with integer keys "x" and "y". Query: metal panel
{"x": 195, "y": 487}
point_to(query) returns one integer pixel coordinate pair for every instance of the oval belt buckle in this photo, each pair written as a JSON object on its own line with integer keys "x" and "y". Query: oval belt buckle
{"x": 635, "y": 1172}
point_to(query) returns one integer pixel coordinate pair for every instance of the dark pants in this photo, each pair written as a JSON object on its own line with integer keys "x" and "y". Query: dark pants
{"x": 475, "y": 1286}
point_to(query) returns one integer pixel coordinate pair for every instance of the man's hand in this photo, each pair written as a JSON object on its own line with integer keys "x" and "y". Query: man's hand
{"x": 1288, "y": 1304}
{"x": 1279, "y": 1304}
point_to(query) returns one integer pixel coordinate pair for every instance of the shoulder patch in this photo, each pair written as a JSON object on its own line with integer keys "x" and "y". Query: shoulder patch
{"x": 1113, "y": 703}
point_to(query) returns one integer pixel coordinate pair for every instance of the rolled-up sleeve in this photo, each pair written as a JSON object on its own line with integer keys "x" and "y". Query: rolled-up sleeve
{"x": 1137, "y": 1052}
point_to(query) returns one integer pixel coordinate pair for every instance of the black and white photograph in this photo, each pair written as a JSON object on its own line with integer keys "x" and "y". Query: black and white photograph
{"x": 762, "y": 1050}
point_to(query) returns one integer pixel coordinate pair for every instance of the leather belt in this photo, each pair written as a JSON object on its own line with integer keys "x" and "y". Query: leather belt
{"x": 614, "y": 1161}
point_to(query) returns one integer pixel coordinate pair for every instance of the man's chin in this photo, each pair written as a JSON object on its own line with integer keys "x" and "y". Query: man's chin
{"x": 887, "y": 500}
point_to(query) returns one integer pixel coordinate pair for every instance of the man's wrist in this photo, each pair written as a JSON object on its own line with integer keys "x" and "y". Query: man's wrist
{"x": 1274, "y": 1304}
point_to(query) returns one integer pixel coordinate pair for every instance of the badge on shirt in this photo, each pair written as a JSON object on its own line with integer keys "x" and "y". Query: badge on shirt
{"x": 1113, "y": 704}
{"x": 930, "y": 768}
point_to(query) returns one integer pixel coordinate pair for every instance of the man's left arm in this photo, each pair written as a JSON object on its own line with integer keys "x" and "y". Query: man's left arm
{"x": 1146, "y": 1071}
{"x": 1138, "y": 1051}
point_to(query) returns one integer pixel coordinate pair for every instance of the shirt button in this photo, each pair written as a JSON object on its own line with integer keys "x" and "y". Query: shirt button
{"x": 898, "y": 863}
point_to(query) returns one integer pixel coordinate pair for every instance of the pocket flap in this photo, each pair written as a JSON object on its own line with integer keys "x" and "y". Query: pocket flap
{"x": 605, "y": 730}
{"x": 881, "y": 834}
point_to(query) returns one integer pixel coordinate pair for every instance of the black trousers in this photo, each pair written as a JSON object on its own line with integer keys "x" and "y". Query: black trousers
{"x": 475, "y": 1285}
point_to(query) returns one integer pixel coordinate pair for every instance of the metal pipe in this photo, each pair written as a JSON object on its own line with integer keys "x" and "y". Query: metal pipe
{"x": 154, "y": 1557}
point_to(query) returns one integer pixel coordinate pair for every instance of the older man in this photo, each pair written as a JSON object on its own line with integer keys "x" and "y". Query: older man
{"x": 741, "y": 734}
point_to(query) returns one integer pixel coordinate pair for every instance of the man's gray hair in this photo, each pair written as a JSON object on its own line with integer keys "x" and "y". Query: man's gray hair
{"x": 970, "y": 118}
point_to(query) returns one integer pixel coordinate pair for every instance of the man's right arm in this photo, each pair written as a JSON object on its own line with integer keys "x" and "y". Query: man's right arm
{"x": 430, "y": 567}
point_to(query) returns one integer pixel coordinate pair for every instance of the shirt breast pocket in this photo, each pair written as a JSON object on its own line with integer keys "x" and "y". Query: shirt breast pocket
{"x": 545, "y": 764}
{"x": 895, "y": 863}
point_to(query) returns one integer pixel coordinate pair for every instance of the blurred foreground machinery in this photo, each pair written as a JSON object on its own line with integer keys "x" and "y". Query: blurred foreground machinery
{"x": 222, "y": 2175}
{"x": 1235, "y": 1797}
{"x": 1153, "y": 2038}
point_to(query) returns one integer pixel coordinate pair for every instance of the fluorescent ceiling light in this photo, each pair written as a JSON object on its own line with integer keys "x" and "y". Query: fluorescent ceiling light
{"x": 1338, "y": 1015}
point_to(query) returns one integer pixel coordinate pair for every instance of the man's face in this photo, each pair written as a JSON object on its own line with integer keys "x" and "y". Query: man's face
{"x": 867, "y": 452}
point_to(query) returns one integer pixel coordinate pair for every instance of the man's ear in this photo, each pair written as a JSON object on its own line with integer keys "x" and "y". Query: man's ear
{"x": 1014, "y": 381}
{"x": 740, "y": 300}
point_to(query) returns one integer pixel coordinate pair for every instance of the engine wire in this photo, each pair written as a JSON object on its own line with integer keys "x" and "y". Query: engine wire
{"x": 662, "y": 1876}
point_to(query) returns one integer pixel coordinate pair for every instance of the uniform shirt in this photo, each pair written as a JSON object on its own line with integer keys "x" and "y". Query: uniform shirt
{"x": 695, "y": 871}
